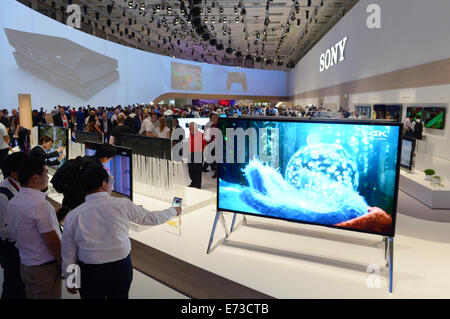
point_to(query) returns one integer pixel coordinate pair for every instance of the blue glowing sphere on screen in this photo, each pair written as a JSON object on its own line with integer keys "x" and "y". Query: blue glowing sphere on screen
{"x": 318, "y": 166}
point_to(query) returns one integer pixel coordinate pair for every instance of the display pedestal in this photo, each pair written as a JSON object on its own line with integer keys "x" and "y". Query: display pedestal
{"x": 388, "y": 241}
{"x": 415, "y": 185}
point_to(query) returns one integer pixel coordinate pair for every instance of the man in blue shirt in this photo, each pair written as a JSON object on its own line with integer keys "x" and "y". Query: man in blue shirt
{"x": 80, "y": 119}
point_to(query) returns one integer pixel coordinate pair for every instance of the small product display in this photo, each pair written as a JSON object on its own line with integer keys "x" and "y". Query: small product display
{"x": 177, "y": 202}
{"x": 407, "y": 159}
{"x": 119, "y": 168}
{"x": 83, "y": 137}
{"x": 330, "y": 173}
{"x": 148, "y": 146}
{"x": 173, "y": 226}
{"x": 60, "y": 136}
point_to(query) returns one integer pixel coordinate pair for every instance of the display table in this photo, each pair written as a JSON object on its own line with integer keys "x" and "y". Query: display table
{"x": 415, "y": 185}
{"x": 271, "y": 258}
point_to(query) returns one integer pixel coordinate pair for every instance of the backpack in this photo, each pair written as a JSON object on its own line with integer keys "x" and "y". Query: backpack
{"x": 66, "y": 178}
{"x": 418, "y": 129}
{"x": 6, "y": 192}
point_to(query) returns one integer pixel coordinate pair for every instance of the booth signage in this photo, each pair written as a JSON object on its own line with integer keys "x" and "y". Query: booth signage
{"x": 330, "y": 57}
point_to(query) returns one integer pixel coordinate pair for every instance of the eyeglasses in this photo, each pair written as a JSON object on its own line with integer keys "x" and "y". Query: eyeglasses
{"x": 111, "y": 180}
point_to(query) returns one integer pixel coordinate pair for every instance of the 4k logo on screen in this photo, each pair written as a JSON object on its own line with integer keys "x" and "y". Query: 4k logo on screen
{"x": 376, "y": 133}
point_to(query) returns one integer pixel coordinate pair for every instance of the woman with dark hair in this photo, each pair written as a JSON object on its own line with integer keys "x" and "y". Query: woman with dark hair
{"x": 93, "y": 125}
{"x": 41, "y": 151}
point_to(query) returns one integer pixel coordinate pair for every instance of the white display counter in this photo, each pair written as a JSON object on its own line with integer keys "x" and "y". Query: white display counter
{"x": 270, "y": 258}
{"x": 415, "y": 185}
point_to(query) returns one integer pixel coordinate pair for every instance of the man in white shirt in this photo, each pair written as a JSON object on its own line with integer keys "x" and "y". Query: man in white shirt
{"x": 96, "y": 237}
{"x": 33, "y": 225}
{"x": 13, "y": 287}
{"x": 4, "y": 145}
{"x": 149, "y": 126}
{"x": 114, "y": 117}
{"x": 407, "y": 124}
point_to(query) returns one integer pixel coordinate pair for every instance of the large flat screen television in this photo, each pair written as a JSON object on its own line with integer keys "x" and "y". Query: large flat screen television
{"x": 334, "y": 173}
{"x": 434, "y": 117}
{"x": 407, "y": 159}
{"x": 119, "y": 167}
{"x": 60, "y": 136}
{"x": 148, "y": 146}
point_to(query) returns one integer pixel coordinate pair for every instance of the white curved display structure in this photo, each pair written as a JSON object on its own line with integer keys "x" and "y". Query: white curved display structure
{"x": 57, "y": 64}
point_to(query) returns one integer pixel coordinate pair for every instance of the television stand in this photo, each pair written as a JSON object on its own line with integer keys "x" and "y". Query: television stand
{"x": 388, "y": 242}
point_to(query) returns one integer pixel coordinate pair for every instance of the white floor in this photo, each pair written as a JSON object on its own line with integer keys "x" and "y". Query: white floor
{"x": 142, "y": 287}
{"x": 287, "y": 260}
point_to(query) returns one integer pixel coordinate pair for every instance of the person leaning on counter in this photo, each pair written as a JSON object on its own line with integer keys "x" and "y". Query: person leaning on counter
{"x": 41, "y": 151}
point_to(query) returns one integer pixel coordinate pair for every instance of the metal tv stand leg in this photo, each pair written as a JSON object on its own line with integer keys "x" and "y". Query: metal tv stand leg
{"x": 219, "y": 215}
{"x": 391, "y": 262}
{"x": 244, "y": 222}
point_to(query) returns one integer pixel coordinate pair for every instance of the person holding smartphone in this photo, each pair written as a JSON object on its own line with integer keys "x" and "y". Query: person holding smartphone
{"x": 96, "y": 237}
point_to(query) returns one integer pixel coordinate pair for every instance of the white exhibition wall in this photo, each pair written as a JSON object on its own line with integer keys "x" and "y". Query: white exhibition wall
{"x": 413, "y": 32}
{"x": 140, "y": 76}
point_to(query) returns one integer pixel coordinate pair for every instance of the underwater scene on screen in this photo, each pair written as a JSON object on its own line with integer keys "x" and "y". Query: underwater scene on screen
{"x": 342, "y": 175}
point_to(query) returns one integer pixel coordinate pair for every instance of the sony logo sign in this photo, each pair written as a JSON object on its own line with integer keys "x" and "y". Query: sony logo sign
{"x": 330, "y": 58}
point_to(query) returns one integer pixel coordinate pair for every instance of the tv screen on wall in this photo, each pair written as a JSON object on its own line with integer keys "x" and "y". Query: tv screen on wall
{"x": 393, "y": 112}
{"x": 380, "y": 111}
{"x": 434, "y": 117}
{"x": 414, "y": 112}
{"x": 119, "y": 167}
{"x": 330, "y": 173}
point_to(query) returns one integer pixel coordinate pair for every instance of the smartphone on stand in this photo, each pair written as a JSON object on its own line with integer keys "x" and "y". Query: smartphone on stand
{"x": 177, "y": 201}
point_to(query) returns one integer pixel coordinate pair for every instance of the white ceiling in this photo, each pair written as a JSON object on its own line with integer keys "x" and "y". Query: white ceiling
{"x": 158, "y": 32}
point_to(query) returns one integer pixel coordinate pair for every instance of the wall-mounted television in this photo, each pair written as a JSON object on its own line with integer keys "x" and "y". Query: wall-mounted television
{"x": 414, "y": 111}
{"x": 390, "y": 112}
{"x": 380, "y": 111}
{"x": 364, "y": 111}
{"x": 393, "y": 112}
{"x": 407, "y": 158}
{"x": 434, "y": 117}
{"x": 60, "y": 136}
{"x": 119, "y": 167}
{"x": 334, "y": 173}
{"x": 148, "y": 146}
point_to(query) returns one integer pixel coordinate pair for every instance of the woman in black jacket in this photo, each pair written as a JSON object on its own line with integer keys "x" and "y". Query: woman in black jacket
{"x": 41, "y": 151}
